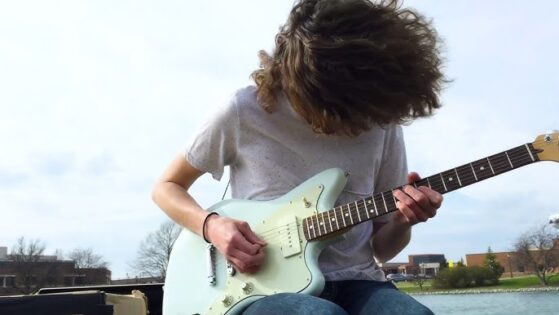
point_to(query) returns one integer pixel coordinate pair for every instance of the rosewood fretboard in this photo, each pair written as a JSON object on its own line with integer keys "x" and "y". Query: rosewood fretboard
{"x": 344, "y": 216}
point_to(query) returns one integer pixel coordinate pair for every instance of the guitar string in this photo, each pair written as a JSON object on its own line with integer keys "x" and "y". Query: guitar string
{"x": 499, "y": 166}
{"x": 519, "y": 154}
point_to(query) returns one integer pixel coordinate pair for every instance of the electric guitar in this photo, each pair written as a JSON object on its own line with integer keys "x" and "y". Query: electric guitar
{"x": 297, "y": 226}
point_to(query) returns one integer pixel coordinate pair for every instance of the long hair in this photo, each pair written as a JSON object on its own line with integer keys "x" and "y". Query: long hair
{"x": 345, "y": 65}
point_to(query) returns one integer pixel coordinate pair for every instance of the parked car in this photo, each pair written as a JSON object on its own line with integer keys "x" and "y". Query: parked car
{"x": 397, "y": 277}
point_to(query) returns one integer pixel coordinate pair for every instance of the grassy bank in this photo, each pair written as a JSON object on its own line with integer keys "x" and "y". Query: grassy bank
{"x": 523, "y": 282}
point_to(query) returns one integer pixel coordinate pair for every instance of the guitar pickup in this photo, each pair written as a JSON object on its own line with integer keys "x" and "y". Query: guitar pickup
{"x": 290, "y": 241}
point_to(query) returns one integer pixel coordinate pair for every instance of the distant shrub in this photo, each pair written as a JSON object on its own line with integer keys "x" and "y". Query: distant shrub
{"x": 464, "y": 277}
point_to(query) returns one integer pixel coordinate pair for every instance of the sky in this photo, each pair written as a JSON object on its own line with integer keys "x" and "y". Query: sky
{"x": 97, "y": 97}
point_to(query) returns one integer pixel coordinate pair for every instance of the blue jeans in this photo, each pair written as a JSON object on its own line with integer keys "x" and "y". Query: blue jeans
{"x": 342, "y": 298}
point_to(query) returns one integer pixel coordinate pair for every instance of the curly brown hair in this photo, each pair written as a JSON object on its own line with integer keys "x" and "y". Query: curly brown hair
{"x": 345, "y": 65}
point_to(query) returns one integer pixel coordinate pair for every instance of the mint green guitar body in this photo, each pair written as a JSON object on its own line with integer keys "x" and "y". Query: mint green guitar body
{"x": 291, "y": 262}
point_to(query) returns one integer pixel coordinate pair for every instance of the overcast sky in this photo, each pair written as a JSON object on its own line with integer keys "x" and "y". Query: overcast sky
{"x": 97, "y": 97}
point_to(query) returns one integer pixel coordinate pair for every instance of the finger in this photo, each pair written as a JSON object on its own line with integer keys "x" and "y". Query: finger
{"x": 407, "y": 202}
{"x": 419, "y": 197}
{"x": 435, "y": 198}
{"x": 239, "y": 242}
{"x": 245, "y": 262}
{"x": 407, "y": 213}
{"x": 413, "y": 177}
{"x": 244, "y": 227}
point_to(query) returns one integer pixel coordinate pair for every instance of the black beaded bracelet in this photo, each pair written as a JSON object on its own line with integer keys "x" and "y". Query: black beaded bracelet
{"x": 204, "y": 225}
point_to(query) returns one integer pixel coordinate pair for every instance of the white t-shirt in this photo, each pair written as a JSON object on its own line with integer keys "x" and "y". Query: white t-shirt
{"x": 271, "y": 153}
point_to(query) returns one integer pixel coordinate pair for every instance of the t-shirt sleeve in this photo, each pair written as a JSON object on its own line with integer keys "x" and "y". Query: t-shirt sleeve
{"x": 215, "y": 146}
{"x": 393, "y": 171}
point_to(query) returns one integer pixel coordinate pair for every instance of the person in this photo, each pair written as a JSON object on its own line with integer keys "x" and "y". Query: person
{"x": 342, "y": 78}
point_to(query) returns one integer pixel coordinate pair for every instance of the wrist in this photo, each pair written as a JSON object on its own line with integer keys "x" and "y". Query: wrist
{"x": 205, "y": 225}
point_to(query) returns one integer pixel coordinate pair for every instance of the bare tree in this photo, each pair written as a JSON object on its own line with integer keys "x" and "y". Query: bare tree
{"x": 27, "y": 256}
{"x": 86, "y": 258}
{"x": 538, "y": 250}
{"x": 155, "y": 249}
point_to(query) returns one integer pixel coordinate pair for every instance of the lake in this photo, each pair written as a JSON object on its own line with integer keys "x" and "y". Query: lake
{"x": 493, "y": 303}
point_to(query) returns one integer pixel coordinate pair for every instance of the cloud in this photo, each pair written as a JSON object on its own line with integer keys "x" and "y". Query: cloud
{"x": 98, "y": 97}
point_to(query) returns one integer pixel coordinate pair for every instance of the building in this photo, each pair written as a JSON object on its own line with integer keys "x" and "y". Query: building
{"x": 424, "y": 264}
{"x": 507, "y": 260}
{"x": 24, "y": 276}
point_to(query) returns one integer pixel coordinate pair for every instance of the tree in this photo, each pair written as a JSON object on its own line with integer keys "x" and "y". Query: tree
{"x": 538, "y": 249}
{"x": 155, "y": 250}
{"x": 26, "y": 256}
{"x": 86, "y": 258}
{"x": 493, "y": 265}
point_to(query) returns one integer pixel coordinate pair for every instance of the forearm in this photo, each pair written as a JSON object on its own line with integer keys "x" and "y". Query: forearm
{"x": 390, "y": 240}
{"x": 180, "y": 206}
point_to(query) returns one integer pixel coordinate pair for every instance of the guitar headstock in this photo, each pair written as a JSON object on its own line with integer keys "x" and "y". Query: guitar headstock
{"x": 547, "y": 146}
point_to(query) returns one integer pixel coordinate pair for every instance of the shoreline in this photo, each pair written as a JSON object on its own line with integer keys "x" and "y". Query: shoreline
{"x": 482, "y": 291}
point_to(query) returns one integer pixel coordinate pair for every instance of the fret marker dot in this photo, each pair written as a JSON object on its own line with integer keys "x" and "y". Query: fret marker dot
{"x": 482, "y": 168}
{"x": 312, "y": 226}
{"x": 369, "y": 202}
{"x": 347, "y": 214}
{"x": 321, "y": 223}
{"x": 450, "y": 179}
{"x": 333, "y": 219}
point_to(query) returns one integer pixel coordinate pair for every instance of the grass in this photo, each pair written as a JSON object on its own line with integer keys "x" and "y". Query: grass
{"x": 521, "y": 282}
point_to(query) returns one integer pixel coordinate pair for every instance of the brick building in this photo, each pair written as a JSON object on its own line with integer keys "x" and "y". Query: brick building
{"x": 23, "y": 277}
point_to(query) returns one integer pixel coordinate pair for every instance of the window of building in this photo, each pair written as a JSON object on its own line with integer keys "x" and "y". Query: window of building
{"x": 7, "y": 281}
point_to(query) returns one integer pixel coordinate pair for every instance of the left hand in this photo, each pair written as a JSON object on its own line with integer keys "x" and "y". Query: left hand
{"x": 416, "y": 204}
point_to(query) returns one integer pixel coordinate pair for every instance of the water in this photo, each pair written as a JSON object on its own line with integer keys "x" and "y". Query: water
{"x": 524, "y": 303}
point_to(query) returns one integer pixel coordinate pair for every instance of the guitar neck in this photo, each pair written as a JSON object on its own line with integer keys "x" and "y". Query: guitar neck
{"x": 344, "y": 216}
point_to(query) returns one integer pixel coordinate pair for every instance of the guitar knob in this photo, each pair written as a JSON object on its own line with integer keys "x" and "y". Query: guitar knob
{"x": 247, "y": 287}
{"x": 227, "y": 300}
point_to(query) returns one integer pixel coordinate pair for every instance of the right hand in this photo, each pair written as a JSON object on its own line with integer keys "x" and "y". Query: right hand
{"x": 237, "y": 242}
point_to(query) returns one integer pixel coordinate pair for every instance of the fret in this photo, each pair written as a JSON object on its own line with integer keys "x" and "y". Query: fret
{"x": 442, "y": 180}
{"x": 322, "y": 223}
{"x": 500, "y": 163}
{"x": 437, "y": 183}
{"x": 530, "y": 152}
{"x": 309, "y": 227}
{"x": 458, "y": 178}
{"x": 374, "y": 205}
{"x": 366, "y": 209}
{"x": 329, "y": 221}
{"x": 429, "y": 183}
{"x": 520, "y": 157}
{"x": 315, "y": 224}
{"x": 490, "y": 166}
{"x": 449, "y": 180}
{"x": 384, "y": 201}
{"x": 467, "y": 175}
{"x": 358, "y": 214}
{"x": 482, "y": 169}
{"x": 312, "y": 226}
{"x": 343, "y": 216}
{"x": 340, "y": 217}
{"x": 350, "y": 215}
{"x": 508, "y": 158}
{"x": 390, "y": 202}
{"x": 335, "y": 219}
{"x": 474, "y": 171}
{"x": 421, "y": 182}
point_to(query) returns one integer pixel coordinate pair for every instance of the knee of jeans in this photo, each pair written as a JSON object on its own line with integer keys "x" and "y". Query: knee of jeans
{"x": 285, "y": 303}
